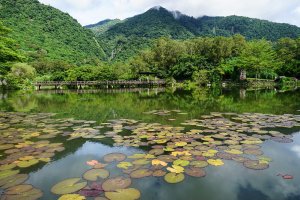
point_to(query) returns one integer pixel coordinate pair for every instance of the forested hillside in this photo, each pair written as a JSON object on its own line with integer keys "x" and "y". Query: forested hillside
{"x": 125, "y": 39}
{"x": 47, "y": 33}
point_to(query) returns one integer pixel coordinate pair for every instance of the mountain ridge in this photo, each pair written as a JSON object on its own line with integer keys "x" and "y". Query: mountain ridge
{"x": 125, "y": 39}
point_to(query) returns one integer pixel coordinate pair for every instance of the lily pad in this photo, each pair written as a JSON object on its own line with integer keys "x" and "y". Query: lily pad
{"x": 124, "y": 194}
{"x": 182, "y": 163}
{"x": 174, "y": 177}
{"x": 116, "y": 183}
{"x": 225, "y": 156}
{"x": 71, "y": 197}
{"x": 141, "y": 162}
{"x": 256, "y": 165}
{"x": 124, "y": 165}
{"x": 27, "y": 163}
{"x": 94, "y": 174}
{"x": 68, "y": 186}
{"x": 90, "y": 192}
{"x": 7, "y": 166}
{"x": 196, "y": 172}
{"x": 199, "y": 163}
{"x": 215, "y": 162}
{"x": 18, "y": 189}
{"x": 114, "y": 157}
{"x": 159, "y": 162}
{"x": 234, "y": 151}
{"x": 255, "y": 152}
{"x": 156, "y": 151}
{"x": 13, "y": 180}
{"x": 7, "y": 173}
{"x": 175, "y": 169}
{"x": 159, "y": 173}
{"x": 140, "y": 173}
{"x": 92, "y": 162}
{"x": 31, "y": 194}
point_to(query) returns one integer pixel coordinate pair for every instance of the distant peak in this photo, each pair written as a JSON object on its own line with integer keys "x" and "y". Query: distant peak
{"x": 176, "y": 14}
{"x": 156, "y": 8}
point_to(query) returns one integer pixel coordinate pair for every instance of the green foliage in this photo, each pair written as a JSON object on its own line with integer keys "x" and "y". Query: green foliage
{"x": 124, "y": 40}
{"x": 8, "y": 47}
{"x": 45, "y": 32}
{"x": 258, "y": 57}
{"x": 20, "y": 76}
{"x": 288, "y": 51}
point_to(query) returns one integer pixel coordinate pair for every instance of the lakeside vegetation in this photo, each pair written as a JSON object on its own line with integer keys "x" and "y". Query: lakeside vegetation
{"x": 35, "y": 46}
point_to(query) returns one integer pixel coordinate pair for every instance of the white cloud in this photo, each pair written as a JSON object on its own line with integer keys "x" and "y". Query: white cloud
{"x": 92, "y": 11}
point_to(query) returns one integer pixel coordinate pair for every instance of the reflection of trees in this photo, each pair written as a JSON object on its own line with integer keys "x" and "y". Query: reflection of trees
{"x": 23, "y": 102}
{"x": 103, "y": 106}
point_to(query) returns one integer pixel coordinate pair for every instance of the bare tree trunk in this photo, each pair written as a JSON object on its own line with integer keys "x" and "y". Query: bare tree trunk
{"x": 243, "y": 74}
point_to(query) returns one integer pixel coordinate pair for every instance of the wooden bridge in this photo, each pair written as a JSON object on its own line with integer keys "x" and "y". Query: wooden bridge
{"x": 101, "y": 84}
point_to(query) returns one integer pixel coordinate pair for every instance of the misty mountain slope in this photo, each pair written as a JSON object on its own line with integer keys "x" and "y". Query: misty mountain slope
{"x": 125, "y": 39}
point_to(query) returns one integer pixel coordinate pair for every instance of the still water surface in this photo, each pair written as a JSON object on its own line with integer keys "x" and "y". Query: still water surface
{"x": 231, "y": 181}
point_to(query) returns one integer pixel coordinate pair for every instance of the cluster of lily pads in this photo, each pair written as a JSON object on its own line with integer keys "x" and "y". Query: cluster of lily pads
{"x": 173, "y": 152}
{"x": 25, "y": 141}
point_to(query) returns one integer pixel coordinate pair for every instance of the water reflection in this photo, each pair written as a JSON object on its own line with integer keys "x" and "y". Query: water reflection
{"x": 231, "y": 181}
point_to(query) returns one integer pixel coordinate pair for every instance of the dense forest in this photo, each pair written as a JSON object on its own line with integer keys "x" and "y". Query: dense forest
{"x": 46, "y": 33}
{"x": 124, "y": 39}
{"x": 40, "y": 43}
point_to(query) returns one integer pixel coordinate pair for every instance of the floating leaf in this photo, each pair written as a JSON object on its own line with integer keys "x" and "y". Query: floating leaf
{"x": 116, "y": 183}
{"x": 196, "y": 172}
{"x": 215, "y": 162}
{"x": 124, "y": 194}
{"x": 180, "y": 144}
{"x": 18, "y": 189}
{"x": 140, "y": 173}
{"x": 100, "y": 165}
{"x": 182, "y": 163}
{"x": 90, "y": 192}
{"x": 27, "y": 163}
{"x": 13, "y": 180}
{"x": 141, "y": 162}
{"x": 199, "y": 163}
{"x": 255, "y": 152}
{"x": 175, "y": 169}
{"x": 71, "y": 197}
{"x": 7, "y": 166}
{"x": 156, "y": 151}
{"x": 255, "y": 164}
{"x": 159, "y": 162}
{"x": 68, "y": 186}
{"x": 174, "y": 177}
{"x": 159, "y": 173}
{"x": 137, "y": 156}
{"x": 124, "y": 165}
{"x": 7, "y": 173}
{"x": 181, "y": 153}
{"x": 31, "y": 194}
{"x": 234, "y": 151}
{"x": 114, "y": 157}
{"x": 92, "y": 162}
{"x": 94, "y": 174}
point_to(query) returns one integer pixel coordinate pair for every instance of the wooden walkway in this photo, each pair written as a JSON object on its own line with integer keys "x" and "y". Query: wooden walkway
{"x": 103, "y": 84}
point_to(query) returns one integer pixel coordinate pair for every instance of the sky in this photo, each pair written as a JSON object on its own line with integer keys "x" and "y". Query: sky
{"x": 93, "y": 11}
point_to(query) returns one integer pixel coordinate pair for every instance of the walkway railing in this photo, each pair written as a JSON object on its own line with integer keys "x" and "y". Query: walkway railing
{"x": 100, "y": 83}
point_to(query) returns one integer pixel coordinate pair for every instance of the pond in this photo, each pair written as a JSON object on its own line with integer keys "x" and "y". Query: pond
{"x": 149, "y": 144}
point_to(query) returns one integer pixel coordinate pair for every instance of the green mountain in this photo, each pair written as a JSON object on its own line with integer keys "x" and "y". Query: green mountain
{"x": 123, "y": 40}
{"x": 44, "y": 32}
{"x": 103, "y": 26}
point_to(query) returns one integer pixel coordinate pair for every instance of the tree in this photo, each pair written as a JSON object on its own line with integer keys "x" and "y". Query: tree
{"x": 257, "y": 57}
{"x": 8, "y": 50}
{"x": 288, "y": 51}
